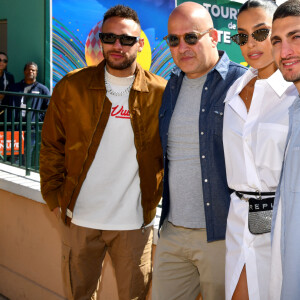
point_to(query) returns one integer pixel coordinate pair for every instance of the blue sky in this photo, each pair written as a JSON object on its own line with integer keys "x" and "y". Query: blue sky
{"x": 80, "y": 16}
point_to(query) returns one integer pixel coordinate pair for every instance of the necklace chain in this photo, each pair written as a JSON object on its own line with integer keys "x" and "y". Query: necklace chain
{"x": 247, "y": 90}
{"x": 114, "y": 93}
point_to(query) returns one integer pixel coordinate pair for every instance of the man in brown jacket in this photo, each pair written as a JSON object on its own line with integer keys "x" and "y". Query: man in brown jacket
{"x": 101, "y": 162}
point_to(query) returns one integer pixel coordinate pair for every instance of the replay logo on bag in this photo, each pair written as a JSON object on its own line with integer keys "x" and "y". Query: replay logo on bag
{"x": 260, "y": 215}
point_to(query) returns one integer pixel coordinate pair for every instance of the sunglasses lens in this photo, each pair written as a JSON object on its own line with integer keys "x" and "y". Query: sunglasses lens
{"x": 191, "y": 38}
{"x": 261, "y": 34}
{"x": 107, "y": 38}
{"x": 173, "y": 40}
{"x": 110, "y": 38}
{"x": 240, "y": 39}
{"x": 127, "y": 40}
{"x": 3, "y": 60}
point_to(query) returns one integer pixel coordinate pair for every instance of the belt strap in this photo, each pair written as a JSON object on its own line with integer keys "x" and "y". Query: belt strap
{"x": 241, "y": 194}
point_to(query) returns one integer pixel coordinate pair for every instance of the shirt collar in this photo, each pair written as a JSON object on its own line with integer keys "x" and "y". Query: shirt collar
{"x": 222, "y": 65}
{"x": 278, "y": 84}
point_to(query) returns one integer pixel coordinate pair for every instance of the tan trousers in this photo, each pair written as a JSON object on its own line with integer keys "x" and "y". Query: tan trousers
{"x": 185, "y": 264}
{"x": 83, "y": 253}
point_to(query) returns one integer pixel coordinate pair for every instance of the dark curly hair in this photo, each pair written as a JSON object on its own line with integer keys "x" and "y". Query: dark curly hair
{"x": 290, "y": 8}
{"x": 31, "y": 63}
{"x": 122, "y": 11}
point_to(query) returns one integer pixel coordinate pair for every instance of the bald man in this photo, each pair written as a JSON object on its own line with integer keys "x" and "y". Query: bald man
{"x": 190, "y": 255}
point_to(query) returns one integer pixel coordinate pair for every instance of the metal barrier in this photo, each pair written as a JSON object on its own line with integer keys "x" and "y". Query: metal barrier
{"x": 20, "y": 133}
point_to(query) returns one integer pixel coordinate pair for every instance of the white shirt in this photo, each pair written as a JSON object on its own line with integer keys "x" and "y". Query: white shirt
{"x": 254, "y": 142}
{"x": 23, "y": 105}
{"x": 276, "y": 261}
{"x": 110, "y": 197}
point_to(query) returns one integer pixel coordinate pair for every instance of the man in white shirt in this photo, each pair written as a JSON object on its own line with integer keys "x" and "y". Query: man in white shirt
{"x": 101, "y": 162}
{"x": 285, "y": 274}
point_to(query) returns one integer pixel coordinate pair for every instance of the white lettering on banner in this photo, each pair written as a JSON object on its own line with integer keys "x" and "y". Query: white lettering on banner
{"x": 233, "y": 13}
{"x": 224, "y": 36}
{"x": 225, "y": 13}
{"x": 9, "y": 143}
{"x": 218, "y": 10}
{"x": 232, "y": 26}
{"x": 215, "y": 11}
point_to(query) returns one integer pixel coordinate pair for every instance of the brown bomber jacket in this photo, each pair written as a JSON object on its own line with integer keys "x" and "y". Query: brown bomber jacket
{"x": 74, "y": 124}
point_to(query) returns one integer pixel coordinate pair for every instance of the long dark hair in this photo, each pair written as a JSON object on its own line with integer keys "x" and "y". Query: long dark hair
{"x": 268, "y": 5}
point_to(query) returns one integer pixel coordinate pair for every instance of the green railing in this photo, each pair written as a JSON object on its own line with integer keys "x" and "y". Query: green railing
{"x": 20, "y": 133}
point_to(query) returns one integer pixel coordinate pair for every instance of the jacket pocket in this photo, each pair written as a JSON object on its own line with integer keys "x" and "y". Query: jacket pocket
{"x": 218, "y": 117}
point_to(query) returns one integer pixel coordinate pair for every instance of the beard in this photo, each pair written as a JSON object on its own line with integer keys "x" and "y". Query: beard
{"x": 293, "y": 77}
{"x": 126, "y": 63}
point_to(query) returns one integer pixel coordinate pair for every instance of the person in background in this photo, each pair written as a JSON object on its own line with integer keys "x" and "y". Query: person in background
{"x": 285, "y": 268}
{"x": 254, "y": 136}
{"x": 6, "y": 78}
{"x": 6, "y": 81}
{"x": 101, "y": 163}
{"x": 30, "y": 85}
{"x": 190, "y": 254}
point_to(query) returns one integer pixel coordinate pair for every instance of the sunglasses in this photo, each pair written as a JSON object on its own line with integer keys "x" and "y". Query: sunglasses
{"x": 125, "y": 40}
{"x": 259, "y": 35}
{"x": 190, "y": 38}
{"x": 4, "y": 60}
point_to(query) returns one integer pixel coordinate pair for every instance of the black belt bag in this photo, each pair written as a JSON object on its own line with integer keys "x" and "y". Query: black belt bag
{"x": 260, "y": 211}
